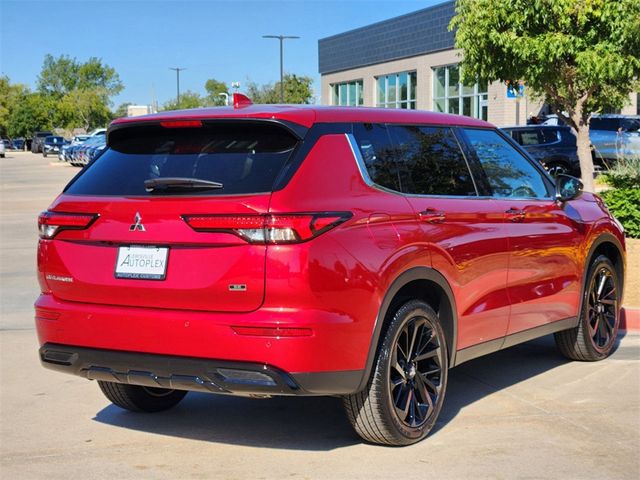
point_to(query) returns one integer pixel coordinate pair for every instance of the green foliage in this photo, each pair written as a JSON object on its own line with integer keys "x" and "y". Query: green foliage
{"x": 580, "y": 56}
{"x": 82, "y": 108}
{"x": 624, "y": 174}
{"x": 188, "y": 99}
{"x": 214, "y": 88}
{"x": 10, "y": 97}
{"x": 624, "y": 204}
{"x": 32, "y": 113}
{"x": 62, "y": 75}
{"x": 565, "y": 50}
{"x": 297, "y": 90}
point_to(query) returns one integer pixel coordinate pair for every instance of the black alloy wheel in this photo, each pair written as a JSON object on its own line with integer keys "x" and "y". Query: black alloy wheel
{"x": 415, "y": 373}
{"x": 402, "y": 401}
{"x": 602, "y": 310}
{"x": 595, "y": 335}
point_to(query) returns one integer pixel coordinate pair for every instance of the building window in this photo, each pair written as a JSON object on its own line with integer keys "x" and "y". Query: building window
{"x": 348, "y": 94}
{"x": 397, "y": 90}
{"x": 450, "y": 95}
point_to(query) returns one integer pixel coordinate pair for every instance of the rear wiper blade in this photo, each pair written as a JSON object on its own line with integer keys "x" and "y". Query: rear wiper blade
{"x": 166, "y": 183}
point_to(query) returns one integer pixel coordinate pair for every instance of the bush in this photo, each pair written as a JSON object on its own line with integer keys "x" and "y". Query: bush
{"x": 624, "y": 204}
{"x": 624, "y": 174}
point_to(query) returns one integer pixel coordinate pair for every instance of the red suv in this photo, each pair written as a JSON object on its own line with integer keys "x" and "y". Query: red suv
{"x": 285, "y": 250}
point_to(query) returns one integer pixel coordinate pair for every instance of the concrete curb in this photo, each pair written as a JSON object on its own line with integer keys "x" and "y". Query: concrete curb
{"x": 630, "y": 319}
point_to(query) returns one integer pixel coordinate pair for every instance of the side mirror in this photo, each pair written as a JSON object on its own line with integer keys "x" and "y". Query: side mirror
{"x": 567, "y": 188}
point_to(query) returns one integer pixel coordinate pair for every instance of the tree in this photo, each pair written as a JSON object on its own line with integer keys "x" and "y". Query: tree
{"x": 34, "y": 112}
{"x": 82, "y": 108}
{"x": 580, "y": 56}
{"x": 214, "y": 88}
{"x": 10, "y": 96}
{"x": 188, "y": 99}
{"x": 297, "y": 90}
{"x": 62, "y": 75}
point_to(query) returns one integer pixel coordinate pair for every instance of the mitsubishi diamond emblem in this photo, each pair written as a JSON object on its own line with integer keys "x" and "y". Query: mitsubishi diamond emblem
{"x": 137, "y": 225}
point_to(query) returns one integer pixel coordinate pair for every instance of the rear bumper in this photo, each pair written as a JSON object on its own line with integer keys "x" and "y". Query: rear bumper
{"x": 192, "y": 374}
{"x": 169, "y": 344}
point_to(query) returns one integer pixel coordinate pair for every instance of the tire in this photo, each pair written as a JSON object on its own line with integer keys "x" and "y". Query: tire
{"x": 141, "y": 399}
{"x": 401, "y": 404}
{"x": 557, "y": 168}
{"x": 595, "y": 336}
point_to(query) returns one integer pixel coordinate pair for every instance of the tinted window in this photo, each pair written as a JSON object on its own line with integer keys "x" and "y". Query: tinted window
{"x": 378, "y": 154}
{"x": 610, "y": 124}
{"x": 631, "y": 125}
{"x": 509, "y": 173}
{"x": 244, "y": 158}
{"x": 529, "y": 137}
{"x": 549, "y": 135}
{"x": 430, "y": 161}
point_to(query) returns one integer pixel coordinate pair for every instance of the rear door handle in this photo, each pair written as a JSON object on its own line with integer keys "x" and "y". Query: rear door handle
{"x": 515, "y": 214}
{"x": 431, "y": 215}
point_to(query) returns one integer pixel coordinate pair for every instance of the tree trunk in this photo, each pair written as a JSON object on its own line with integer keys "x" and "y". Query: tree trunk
{"x": 584, "y": 155}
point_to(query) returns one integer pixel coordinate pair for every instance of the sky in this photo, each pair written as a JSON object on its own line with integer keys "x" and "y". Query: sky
{"x": 210, "y": 39}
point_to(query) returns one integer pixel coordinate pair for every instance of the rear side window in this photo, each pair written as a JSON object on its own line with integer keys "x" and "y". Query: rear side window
{"x": 528, "y": 137}
{"x": 549, "y": 135}
{"x": 608, "y": 124}
{"x": 509, "y": 174}
{"x": 430, "y": 161}
{"x": 245, "y": 158}
{"x": 378, "y": 154}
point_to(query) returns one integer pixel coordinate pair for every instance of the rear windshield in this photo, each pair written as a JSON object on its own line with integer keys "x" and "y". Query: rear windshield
{"x": 245, "y": 158}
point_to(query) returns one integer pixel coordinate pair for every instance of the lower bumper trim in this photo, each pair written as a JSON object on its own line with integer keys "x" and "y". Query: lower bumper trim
{"x": 193, "y": 374}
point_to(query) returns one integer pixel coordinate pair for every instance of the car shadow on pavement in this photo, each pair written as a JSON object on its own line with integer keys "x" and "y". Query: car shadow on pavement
{"x": 319, "y": 423}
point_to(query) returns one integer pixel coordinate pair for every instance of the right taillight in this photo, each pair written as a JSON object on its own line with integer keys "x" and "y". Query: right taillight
{"x": 279, "y": 228}
{"x": 51, "y": 223}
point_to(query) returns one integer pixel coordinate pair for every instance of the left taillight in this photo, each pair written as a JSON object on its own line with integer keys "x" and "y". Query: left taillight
{"x": 51, "y": 223}
{"x": 271, "y": 229}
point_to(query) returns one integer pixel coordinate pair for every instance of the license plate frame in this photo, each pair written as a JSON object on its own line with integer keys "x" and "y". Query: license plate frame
{"x": 144, "y": 263}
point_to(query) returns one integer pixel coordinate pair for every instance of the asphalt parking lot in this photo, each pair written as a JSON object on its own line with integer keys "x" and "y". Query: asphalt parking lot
{"x": 525, "y": 412}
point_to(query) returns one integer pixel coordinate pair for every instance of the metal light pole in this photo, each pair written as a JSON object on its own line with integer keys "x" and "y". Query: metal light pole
{"x": 178, "y": 70}
{"x": 282, "y": 38}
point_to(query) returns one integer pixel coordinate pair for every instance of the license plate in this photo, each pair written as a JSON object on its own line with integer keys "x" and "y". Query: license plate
{"x": 148, "y": 263}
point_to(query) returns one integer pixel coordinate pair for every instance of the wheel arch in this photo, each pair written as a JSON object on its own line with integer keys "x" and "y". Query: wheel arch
{"x": 416, "y": 283}
{"x": 607, "y": 244}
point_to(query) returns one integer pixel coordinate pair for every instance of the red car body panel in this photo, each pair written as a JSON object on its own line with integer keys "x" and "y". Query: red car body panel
{"x": 506, "y": 276}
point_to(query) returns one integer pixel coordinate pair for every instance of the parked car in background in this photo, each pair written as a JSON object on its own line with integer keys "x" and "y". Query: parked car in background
{"x": 37, "y": 141}
{"x": 286, "y": 250}
{"x": 615, "y": 136}
{"x": 2, "y": 149}
{"x": 82, "y": 153}
{"x": 52, "y": 145}
{"x": 553, "y": 146}
{"x": 8, "y": 144}
{"x": 98, "y": 131}
{"x": 19, "y": 143}
{"x": 65, "y": 151}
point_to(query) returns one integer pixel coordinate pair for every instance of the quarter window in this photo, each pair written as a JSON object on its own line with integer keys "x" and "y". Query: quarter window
{"x": 450, "y": 95}
{"x": 509, "y": 174}
{"x": 397, "y": 90}
{"x": 348, "y": 93}
{"x": 378, "y": 154}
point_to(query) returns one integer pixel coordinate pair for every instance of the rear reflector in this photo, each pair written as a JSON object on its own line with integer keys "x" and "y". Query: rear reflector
{"x": 181, "y": 124}
{"x": 269, "y": 229}
{"x": 50, "y": 223}
{"x": 273, "y": 331}
{"x": 42, "y": 314}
